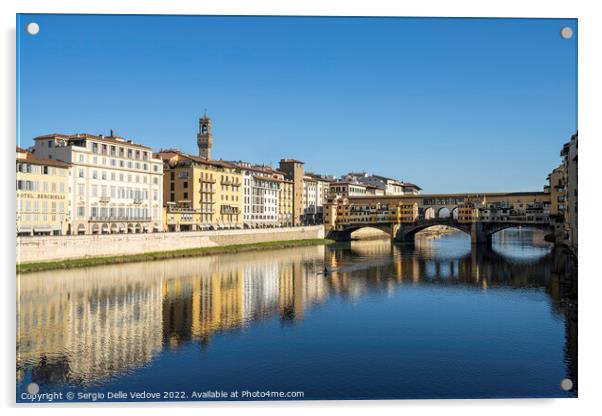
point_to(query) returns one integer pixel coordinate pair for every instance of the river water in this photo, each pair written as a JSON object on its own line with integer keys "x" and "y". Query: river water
{"x": 437, "y": 319}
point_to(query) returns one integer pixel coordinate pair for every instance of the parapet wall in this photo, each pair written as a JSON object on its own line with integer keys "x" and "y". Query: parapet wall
{"x": 37, "y": 249}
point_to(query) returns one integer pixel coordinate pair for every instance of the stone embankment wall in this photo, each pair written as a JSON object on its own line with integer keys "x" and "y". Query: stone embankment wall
{"x": 38, "y": 249}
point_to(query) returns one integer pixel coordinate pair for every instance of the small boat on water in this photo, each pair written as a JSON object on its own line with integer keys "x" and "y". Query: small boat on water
{"x": 326, "y": 271}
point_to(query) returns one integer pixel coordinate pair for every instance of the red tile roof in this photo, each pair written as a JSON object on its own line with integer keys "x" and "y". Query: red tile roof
{"x": 169, "y": 153}
{"x": 266, "y": 178}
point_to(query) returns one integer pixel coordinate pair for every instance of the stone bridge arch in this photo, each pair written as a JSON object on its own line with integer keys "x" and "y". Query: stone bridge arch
{"x": 444, "y": 212}
{"x": 491, "y": 229}
{"x": 428, "y": 213}
{"x": 345, "y": 235}
{"x": 406, "y": 232}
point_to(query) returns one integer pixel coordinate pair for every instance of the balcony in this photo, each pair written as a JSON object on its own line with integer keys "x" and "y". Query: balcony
{"x": 104, "y": 199}
{"x": 227, "y": 182}
{"x": 206, "y": 180}
{"x": 119, "y": 219}
{"x": 138, "y": 201}
{"x": 229, "y": 210}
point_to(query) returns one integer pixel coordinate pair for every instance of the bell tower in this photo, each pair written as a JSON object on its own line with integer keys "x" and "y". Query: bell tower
{"x": 204, "y": 139}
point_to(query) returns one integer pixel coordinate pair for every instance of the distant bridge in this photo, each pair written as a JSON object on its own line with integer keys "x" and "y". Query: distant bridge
{"x": 490, "y": 212}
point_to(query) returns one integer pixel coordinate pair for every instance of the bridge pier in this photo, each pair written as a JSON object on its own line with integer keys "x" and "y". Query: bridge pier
{"x": 339, "y": 235}
{"x": 478, "y": 235}
{"x": 401, "y": 236}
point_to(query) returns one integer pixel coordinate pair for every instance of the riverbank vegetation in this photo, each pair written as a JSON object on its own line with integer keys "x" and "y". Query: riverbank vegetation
{"x": 164, "y": 255}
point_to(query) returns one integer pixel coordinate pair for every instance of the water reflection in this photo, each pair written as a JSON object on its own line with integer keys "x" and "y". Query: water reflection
{"x": 93, "y": 327}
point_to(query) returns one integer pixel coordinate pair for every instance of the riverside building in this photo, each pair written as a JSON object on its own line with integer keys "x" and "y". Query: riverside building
{"x": 115, "y": 184}
{"x": 285, "y": 203}
{"x": 563, "y": 191}
{"x": 294, "y": 171}
{"x": 387, "y": 186}
{"x": 347, "y": 189}
{"x": 411, "y": 189}
{"x": 200, "y": 194}
{"x": 557, "y": 190}
{"x": 261, "y": 195}
{"x": 310, "y": 200}
{"x": 42, "y": 195}
{"x": 569, "y": 155}
{"x": 315, "y": 193}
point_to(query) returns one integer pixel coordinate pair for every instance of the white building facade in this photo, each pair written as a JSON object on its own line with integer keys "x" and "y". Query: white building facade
{"x": 310, "y": 200}
{"x": 261, "y": 187}
{"x": 315, "y": 193}
{"x": 115, "y": 185}
{"x": 347, "y": 189}
{"x": 389, "y": 186}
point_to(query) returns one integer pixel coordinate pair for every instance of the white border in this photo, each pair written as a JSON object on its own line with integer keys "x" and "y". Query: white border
{"x": 590, "y": 70}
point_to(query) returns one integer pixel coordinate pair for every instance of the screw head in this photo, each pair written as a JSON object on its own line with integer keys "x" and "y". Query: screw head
{"x": 566, "y": 32}
{"x": 566, "y": 384}
{"x": 33, "y": 388}
{"x": 33, "y": 28}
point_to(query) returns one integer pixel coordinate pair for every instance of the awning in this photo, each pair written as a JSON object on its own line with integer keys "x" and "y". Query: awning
{"x": 42, "y": 228}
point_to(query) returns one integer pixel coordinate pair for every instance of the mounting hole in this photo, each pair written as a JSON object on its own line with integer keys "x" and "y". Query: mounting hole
{"x": 566, "y": 32}
{"x": 33, "y": 28}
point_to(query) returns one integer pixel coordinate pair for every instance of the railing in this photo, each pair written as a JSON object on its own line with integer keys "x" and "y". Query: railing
{"x": 181, "y": 211}
{"x": 226, "y": 182}
{"x": 119, "y": 219}
{"x": 104, "y": 199}
{"x": 205, "y": 180}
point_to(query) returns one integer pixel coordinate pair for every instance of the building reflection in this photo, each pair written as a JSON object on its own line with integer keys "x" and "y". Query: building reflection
{"x": 84, "y": 326}
{"x": 76, "y": 329}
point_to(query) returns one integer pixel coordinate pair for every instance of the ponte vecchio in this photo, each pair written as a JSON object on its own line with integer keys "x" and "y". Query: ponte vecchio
{"x": 401, "y": 216}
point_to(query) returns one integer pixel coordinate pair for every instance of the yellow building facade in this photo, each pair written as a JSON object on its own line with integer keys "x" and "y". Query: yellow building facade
{"x": 468, "y": 213}
{"x": 285, "y": 203}
{"x": 200, "y": 194}
{"x": 42, "y": 195}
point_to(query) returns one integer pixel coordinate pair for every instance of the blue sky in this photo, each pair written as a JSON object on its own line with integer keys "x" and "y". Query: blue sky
{"x": 454, "y": 105}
